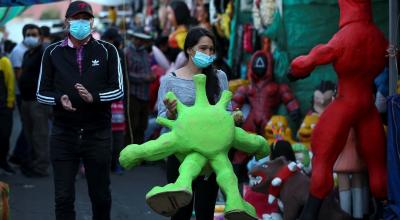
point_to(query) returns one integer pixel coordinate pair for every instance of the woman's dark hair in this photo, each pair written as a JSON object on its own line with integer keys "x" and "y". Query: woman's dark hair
{"x": 192, "y": 38}
{"x": 326, "y": 86}
{"x": 181, "y": 11}
{"x": 282, "y": 148}
{"x": 206, "y": 7}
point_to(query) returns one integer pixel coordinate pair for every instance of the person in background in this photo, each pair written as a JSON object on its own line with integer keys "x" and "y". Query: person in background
{"x": 118, "y": 127}
{"x": 46, "y": 36}
{"x": 140, "y": 77}
{"x": 112, "y": 16}
{"x": 179, "y": 17}
{"x": 22, "y": 148}
{"x": 7, "y": 103}
{"x": 17, "y": 54}
{"x": 80, "y": 78}
{"x": 35, "y": 117}
{"x": 203, "y": 14}
{"x": 8, "y": 46}
{"x": 118, "y": 123}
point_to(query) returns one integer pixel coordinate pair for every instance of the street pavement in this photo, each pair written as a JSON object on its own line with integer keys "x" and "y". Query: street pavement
{"x": 33, "y": 198}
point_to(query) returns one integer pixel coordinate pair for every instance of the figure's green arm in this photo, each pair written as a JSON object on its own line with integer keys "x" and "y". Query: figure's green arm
{"x": 153, "y": 150}
{"x": 250, "y": 143}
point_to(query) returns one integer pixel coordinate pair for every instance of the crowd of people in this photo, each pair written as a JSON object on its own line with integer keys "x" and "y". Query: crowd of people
{"x": 78, "y": 95}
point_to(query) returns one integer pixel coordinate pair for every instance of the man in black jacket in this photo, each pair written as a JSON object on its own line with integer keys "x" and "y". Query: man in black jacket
{"x": 80, "y": 77}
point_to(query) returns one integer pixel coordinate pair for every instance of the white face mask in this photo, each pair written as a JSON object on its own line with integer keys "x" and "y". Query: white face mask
{"x": 31, "y": 42}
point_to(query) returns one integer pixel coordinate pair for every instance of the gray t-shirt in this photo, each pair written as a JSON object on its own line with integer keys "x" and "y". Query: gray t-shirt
{"x": 184, "y": 90}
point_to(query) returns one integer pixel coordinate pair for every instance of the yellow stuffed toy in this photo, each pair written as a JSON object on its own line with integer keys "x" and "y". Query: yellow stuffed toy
{"x": 278, "y": 125}
{"x": 306, "y": 129}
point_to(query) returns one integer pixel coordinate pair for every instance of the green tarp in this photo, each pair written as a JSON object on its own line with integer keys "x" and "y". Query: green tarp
{"x": 8, "y": 13}
{"x": 304, "y": 24}
{"x": 12, "y": 8}
{"x": 9, "y": 3}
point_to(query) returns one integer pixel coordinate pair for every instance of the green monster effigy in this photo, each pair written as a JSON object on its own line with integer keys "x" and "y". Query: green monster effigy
{"x": 200, "y": 137}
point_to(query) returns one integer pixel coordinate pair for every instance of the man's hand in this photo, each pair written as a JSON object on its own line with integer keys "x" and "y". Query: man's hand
{"x": 83, "y": 93}
{"x": 66, "y": 103}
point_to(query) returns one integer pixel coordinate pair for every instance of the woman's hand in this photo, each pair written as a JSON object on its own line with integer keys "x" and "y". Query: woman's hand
{"x": 171, "y": 108}
{"x": 238, "y": 117}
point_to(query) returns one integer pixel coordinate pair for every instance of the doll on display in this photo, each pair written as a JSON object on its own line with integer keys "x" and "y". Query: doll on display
{"x": 323, "y": 96}
{"x": 352, "y": 179}
{"x": 306, "y": 129}
{"x": 358, "y": 54}
{"x": 263, "y": 94}
{"x": 284, "y": 182}
{"x": 278, "y": 125}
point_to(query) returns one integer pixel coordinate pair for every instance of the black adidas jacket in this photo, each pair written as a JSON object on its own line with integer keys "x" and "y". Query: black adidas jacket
{"x": 101, "y": 76}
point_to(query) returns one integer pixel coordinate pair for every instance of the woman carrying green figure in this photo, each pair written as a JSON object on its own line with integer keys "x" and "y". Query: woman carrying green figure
{"x": 201, "y": 136}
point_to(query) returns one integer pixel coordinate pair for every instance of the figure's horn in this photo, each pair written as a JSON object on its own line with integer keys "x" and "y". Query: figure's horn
{"x": 225, "y": 99}
{"x": 200, "y": 84}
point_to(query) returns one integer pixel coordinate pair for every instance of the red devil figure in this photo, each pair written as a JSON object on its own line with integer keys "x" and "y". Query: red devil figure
{"x": 263, "y": 94}
{"x": 357, "y": 53}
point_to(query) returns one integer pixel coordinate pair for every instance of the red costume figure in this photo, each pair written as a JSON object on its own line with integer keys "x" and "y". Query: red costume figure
{"x": 263, "y": 94}
{"x": 357, "y": 52}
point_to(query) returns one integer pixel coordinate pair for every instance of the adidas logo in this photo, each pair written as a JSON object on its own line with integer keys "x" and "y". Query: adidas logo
{"x": 95, "y": 63}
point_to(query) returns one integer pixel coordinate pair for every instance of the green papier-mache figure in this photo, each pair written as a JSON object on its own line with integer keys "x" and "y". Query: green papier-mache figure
{"x": 200, "y": 137}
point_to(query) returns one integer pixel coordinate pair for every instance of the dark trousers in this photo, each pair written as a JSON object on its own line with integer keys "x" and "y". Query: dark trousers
{"x": 22, "y": 150}
{"x": 6, "y": 119}
{"x": 35, "y": 121}
{"x": 139, "y": 116}
{"x": 204, "y": 194}
{"x": 68, "y": 147}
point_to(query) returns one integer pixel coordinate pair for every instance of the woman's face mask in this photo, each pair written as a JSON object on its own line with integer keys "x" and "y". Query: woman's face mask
{"x": 202, "y": 60}
{"x": 79, "y": 29}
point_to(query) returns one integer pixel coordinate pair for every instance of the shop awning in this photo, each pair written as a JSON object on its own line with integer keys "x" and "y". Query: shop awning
{"x": 8, "y": 13}
{"x": 9, "y": 3}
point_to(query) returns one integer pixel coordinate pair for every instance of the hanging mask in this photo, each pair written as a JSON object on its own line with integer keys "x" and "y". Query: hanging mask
{"x": 202, "y": 60}
{"x": 259, "y": 65}
{"x": 79, "y": 29}
{"x": 31, "y": 42}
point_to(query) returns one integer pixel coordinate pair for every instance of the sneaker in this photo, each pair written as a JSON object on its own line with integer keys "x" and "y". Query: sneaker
{"x": 7, "y": 168}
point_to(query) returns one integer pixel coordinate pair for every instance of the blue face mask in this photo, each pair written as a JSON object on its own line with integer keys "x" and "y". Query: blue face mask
{"x": 79, "y": 29}
{"x": 31, "y": 42}
{"x": 202, "y": 60}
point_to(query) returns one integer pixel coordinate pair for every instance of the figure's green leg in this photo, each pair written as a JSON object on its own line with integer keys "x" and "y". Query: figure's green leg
{"x": 236, "y": 208}
{"x": 168, "y": 199}
{"x": 190, "y": 168}
{"x": 250, "y": 143}
{"x": 133, "y": 154}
